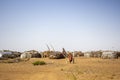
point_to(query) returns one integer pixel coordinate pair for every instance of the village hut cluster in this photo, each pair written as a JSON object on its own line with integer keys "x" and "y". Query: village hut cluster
{"x": 6, "y": 54}
{"x": 103, "y": 54}
{"x": 52, "y": 54}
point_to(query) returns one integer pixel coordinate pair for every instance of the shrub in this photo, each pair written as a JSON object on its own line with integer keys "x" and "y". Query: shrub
{"x": 39, "y": 63}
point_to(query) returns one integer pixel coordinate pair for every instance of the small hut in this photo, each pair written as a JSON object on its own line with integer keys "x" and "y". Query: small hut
{"x": 34, "y": 53}
{"x": 7, "y": 55}
{"x": 88, "y": 54}
{"x": 109, "y": 55}
{"x": 96, "y": 54}
{"x": 78, "y": 53}
{"x": 46, "y": 54}
{"x": 56, "y": 55}
{"x": 25, "y": 55}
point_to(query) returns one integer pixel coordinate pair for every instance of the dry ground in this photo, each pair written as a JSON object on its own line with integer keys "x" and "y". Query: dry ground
{"x": 83, "y": 69}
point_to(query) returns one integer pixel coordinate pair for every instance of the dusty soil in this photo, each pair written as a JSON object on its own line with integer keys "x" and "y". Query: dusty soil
{"x": 83, "y": 69}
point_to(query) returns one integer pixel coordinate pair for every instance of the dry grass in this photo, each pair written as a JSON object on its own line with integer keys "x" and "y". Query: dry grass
{"x": 83, "y": 69}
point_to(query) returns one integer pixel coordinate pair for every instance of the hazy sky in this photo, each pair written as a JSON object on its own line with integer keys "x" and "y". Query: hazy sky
{"x": 73, "y": 24}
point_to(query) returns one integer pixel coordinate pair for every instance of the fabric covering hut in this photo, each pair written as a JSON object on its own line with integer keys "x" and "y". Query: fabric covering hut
{"x": 56, "y": 55}
{"x": 96, "y": 54}
{"x": 0, "y": 55}
{"x": 34, "y": 54}
{"x": 109, "y": 55}
{"x": 10, "y": 54}
{"x": 78, "y": 53}
{"x": 7, "y": 55}
{"x": 88, "y": 54}
{"x": 25, "y": 56}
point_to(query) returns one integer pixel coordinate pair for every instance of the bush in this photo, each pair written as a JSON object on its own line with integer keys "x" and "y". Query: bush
{"x": 38, "y": 63}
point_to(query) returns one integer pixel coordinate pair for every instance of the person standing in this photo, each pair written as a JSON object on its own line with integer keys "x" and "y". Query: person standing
{"x": 70, "y": 57}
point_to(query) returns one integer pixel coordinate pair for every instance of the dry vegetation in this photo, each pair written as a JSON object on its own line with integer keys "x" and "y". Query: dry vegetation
{"x": 58, "y": 69}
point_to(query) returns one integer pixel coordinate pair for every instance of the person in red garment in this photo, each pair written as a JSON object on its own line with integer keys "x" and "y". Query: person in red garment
{"x": 70, "y": 57}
